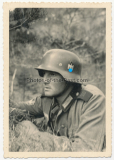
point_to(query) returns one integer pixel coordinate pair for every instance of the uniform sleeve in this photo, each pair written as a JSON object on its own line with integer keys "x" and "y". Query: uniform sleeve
{"x": 89, "y": 135}
{"x": 34, "y": 106}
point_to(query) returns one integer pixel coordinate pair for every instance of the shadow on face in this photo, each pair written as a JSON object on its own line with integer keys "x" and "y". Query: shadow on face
{"x": 54, "y": 83}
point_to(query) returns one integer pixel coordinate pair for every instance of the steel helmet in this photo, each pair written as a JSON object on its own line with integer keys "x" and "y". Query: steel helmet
{"x": 63, "y": 62}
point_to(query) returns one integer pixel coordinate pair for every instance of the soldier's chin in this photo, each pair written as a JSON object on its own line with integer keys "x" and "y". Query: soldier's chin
{"x": 48, "y": 94}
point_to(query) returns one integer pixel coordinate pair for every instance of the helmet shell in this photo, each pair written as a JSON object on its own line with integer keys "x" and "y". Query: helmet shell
{"x": 63, "y": 62}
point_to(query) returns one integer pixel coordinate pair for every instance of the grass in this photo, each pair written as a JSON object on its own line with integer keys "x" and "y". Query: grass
{"x": 25, "y": 137}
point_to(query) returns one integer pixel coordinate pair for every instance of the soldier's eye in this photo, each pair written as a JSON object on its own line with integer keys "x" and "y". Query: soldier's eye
{"x": 52, "y": 74}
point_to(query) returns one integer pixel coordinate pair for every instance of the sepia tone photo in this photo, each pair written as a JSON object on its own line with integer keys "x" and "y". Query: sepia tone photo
{"x": 57, "y": 80}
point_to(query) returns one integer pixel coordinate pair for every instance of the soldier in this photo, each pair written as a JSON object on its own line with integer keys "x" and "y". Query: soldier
{"x": 69, "y": 108}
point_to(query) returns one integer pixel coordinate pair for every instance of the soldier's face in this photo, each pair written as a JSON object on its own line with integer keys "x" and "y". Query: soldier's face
{"x": 54, "y": 83}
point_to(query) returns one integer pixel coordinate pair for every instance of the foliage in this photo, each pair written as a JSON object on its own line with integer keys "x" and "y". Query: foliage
{"x": 21, "y": 139}
{"x": 75, "y": 29}
{"x": 26, "y": 138}
{"x": 23, "y": 16}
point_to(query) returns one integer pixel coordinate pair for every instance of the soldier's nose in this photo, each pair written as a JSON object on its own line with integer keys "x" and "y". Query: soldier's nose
{"x": 46, "y": 79}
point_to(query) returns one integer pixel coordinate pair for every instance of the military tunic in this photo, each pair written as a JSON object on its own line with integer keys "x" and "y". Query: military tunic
{"x": 81, "y": 116}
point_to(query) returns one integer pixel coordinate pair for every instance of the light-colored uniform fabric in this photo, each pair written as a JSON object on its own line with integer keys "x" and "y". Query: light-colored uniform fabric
{"x": 81, "y": 117}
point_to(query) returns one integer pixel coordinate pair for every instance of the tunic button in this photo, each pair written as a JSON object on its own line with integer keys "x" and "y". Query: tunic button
{"x": 77, "y": 94}
{"x": 62, "y": 126}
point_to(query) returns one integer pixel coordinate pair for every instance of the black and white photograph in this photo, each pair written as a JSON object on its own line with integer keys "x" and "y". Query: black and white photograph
{"x": 57, "y": 79}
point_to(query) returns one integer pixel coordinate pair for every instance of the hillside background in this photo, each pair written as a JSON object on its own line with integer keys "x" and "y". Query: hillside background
{"x": 34, "y": 31}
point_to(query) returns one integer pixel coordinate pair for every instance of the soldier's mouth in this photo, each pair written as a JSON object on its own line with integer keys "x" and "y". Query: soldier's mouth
{"x": 46, "y": 88}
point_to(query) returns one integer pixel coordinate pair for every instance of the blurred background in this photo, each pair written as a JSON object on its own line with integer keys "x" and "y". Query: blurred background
{"x": 33, "y": 31}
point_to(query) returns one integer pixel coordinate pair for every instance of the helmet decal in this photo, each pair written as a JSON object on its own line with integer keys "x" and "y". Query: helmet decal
{"x": 70, "y": 67}
{"x": 60, "y": 64}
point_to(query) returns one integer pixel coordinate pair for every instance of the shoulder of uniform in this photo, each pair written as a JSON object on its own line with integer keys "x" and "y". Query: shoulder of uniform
{"x": 88, "y": 91}
{"x": 38, "y": 97}
{"x": 94, "y": 90}
{"x": 85, "y": 95}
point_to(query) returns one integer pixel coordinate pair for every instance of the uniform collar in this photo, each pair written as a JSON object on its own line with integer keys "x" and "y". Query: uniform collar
{"x": 54, "y": 101}
{"x": 69, "y": 100}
